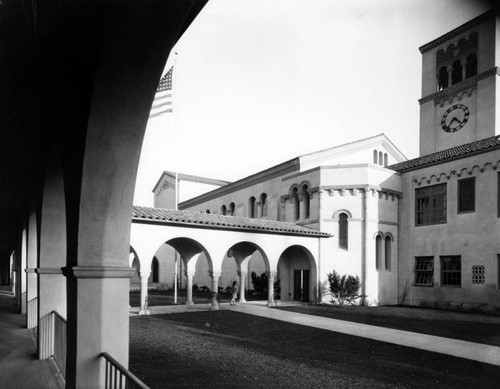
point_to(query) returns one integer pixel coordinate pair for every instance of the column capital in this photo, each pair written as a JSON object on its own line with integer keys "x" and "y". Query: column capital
{"x": 241, "y": 273}
{"x": 272, "y": 274}
{"x": 215, "y": 274}
{"x": 48, "y": 270}
{"x": 144, "y": 274}
{"x": 98, "y": 271}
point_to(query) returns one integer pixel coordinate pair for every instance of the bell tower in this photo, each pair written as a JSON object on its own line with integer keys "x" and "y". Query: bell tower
{"x": 460, "y": 85}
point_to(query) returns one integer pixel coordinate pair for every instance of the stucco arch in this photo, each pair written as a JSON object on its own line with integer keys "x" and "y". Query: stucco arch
{"x": 336, "y": 214}
{"x": 294, "y": 262}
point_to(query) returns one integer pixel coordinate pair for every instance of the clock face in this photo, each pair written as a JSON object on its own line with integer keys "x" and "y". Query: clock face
{"x": 455, "y": 118}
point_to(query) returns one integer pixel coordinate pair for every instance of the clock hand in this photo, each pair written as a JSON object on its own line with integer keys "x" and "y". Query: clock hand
{"x": 454, "y": 120}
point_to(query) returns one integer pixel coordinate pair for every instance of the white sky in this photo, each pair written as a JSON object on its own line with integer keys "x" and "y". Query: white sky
{"x": 259, "y": 82}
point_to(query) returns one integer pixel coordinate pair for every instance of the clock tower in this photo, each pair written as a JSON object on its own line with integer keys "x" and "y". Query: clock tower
{"x": 460, "y": 85}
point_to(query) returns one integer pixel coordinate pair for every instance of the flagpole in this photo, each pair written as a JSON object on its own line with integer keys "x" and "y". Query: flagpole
{"x": 176, "y": 188}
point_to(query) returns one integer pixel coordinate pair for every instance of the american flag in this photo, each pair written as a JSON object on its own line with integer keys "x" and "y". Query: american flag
{"x": 163, "y": 98}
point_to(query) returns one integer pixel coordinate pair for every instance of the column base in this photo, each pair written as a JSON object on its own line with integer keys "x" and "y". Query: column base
{"x": 242, "y": 301}
{"x": 271, "y": 304}
{"x": 144, "y": 312}
{"x": 189, "y": 303}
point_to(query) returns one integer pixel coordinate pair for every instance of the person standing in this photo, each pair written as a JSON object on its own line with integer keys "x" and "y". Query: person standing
{"x": 235, "y": 293}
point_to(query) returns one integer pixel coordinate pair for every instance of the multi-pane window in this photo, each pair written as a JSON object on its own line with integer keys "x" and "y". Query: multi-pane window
{"x": 424, "y": 271}
{"x": 451, "y": 270}
{"x": 378, "y": 251}
{"x": 388, "y": 249}
{"x": 478, "y": 274}
{"x": 343, "y": 231}
{"x": 430, "y": 205}
{"x": 467, "y": 195}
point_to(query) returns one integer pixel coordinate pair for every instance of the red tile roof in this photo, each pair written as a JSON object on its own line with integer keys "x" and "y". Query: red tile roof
{"x": 463, "y": 151}
{"x": 206, "y": 220}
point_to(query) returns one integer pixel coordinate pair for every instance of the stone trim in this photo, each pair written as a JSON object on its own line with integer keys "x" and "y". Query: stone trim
{"x": 463, "y": 86}
{"x": 30, "y": 270}
{"x": 49, "y": 270}
{"x": 99, "y": 271}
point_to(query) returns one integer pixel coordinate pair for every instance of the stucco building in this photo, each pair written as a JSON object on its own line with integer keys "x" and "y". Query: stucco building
{"x": 421, "y": 231}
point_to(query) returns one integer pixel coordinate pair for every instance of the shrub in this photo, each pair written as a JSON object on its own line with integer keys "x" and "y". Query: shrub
{"x": 344, "y": 290}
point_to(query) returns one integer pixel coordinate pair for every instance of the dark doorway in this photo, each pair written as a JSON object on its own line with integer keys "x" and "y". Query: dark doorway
{"x": 301, "y": 285}
{"x": 155, "y": 269}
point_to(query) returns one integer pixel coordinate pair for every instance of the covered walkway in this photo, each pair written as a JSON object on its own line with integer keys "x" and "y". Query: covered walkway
{"x": 19, "y": 366}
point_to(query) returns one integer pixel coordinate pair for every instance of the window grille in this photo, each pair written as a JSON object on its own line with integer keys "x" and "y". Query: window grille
{"x": 478, "y": 274}
{"x": 451, "y": 271}
{"x": 424, "y": 271}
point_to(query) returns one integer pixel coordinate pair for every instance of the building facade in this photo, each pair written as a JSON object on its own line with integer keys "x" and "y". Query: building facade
{"x": 421, "y": 231}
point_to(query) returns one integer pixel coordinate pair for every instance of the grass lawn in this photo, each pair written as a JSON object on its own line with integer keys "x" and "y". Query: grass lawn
{"x": 472, "y": 327}
{"x": 227, "y": 349}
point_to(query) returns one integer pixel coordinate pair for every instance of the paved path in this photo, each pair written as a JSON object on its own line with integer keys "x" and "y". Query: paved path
{"x": 457, "y": 348}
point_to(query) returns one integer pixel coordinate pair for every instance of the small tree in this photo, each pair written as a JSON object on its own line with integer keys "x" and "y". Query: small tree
{"x": 259, "y": 283}
{"x": 345, "y": 289}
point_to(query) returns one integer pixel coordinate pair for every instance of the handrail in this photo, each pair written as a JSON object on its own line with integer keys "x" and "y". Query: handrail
{"x": 115, "y": 381}
{"x": 32, "y": 313}
{"x": 52, "y": 339}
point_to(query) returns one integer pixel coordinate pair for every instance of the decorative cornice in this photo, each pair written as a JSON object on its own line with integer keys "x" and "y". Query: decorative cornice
{"x": 457, "y": 31}
{"x": 48, "y": 270}
{"x": 464, "y": 86}
{"x": 463, "y": 172}
{"x": 361, "y": 187}
{"x": 99, "y": 271}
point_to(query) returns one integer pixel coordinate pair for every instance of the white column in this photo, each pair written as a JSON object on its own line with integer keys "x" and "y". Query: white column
{"x": 270, "y": 289}
{"x": 144, "y": 293}
{"x": 215, "y": 290}
{"x": 189, "y": 289}
{"x": 243, "y": 276}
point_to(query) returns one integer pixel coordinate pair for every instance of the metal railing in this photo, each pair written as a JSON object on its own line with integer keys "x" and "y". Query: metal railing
{"x": 32, "y": 313}
{"x": 118, "y": 377}
{"x": 52, "y": 333}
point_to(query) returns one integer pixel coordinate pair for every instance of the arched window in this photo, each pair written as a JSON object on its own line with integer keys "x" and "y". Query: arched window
{"x": 296, "y": 203}
{"x": 155, "y": 270}
{"x": 306, "y": 201}
{"x": 343, "y": 231}
{"x": 251, "y": 207}
{"x": 378, "y": 251}
{"x": 442, "y": 78}
{"x": 388, "y": 243}
{"x": 456, "y": 72}
{"x": 386, "y": 159}
{"x": 263, "y": 205}
{"x": 223, "y": 210}
{"x": 231, "y": 209}
{"x": 375, "y": 156}
{"x": 471, "y": 65}
{"x": 380, "y": 158}
{"x": 208, "y": 211}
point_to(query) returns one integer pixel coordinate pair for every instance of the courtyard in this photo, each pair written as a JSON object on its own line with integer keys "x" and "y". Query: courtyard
{"x": 230, "y": 349}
